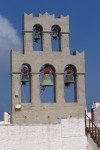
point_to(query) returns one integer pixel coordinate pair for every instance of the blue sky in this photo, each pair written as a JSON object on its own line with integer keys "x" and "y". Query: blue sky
{"x": 84, "y": 35}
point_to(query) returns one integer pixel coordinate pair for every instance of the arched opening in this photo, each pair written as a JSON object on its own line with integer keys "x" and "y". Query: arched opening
{"x": 56, "y": 38}
{"x": 70, "y": 89}
{"x": 37, "y": 37}
{"x": 47, "y": 84}
{"x": 25, "y": 83}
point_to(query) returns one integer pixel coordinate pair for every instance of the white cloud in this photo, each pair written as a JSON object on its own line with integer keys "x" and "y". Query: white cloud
{"x": 8, "y": 33}
{"x": 9, "y": 39}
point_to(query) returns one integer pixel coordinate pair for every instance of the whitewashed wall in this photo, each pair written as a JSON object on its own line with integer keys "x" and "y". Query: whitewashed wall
{"x": 96, "y": 113}
{"x": 67, "y": 135}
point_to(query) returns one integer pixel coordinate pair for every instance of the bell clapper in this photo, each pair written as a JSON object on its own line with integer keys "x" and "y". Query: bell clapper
{"x": 24, "y": 83}
{"x": 67, "y": 85}
{"x": 43, "y": 88}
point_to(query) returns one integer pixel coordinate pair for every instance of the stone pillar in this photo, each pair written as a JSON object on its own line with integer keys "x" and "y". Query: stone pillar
{"x": 16, "y": 89}
{"x": 65, "y": 43}
{"x": 81, "y": 88}
{"x": 35, "y": 90}
{"x": 28, "y": 42}
{"x": 16, "y": 93}
{"x": 59, "y": 89}
{"x": 46, "y": 42}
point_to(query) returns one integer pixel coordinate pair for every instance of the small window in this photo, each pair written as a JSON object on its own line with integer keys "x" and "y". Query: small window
{"x": 25, "y": 84}
{"x": 70, "y": 83}
{"x": 37, "y": 38}
{"x": 56, "y": 38}
{"x": 47, "y": 84}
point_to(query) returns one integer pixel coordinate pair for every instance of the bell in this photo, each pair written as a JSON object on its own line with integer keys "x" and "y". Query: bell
{"x": 36, "y": 37}
{"x": 24, "y": 79}
{"x": 69, "y": 80}
{"x": 54, "y": 35}
{"x": 46, "y": 80}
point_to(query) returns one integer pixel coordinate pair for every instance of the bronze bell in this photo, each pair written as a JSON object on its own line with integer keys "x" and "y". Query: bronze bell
{"x": 46, "y": 80}
{"x": 36, "y": 37}
{"x": 69, "y": 80}
{"x": 54, "y": 33}
{"x": 24, "y": 79}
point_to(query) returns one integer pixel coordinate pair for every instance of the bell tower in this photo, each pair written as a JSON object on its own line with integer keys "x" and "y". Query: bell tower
{"x": 46, "y": 66}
